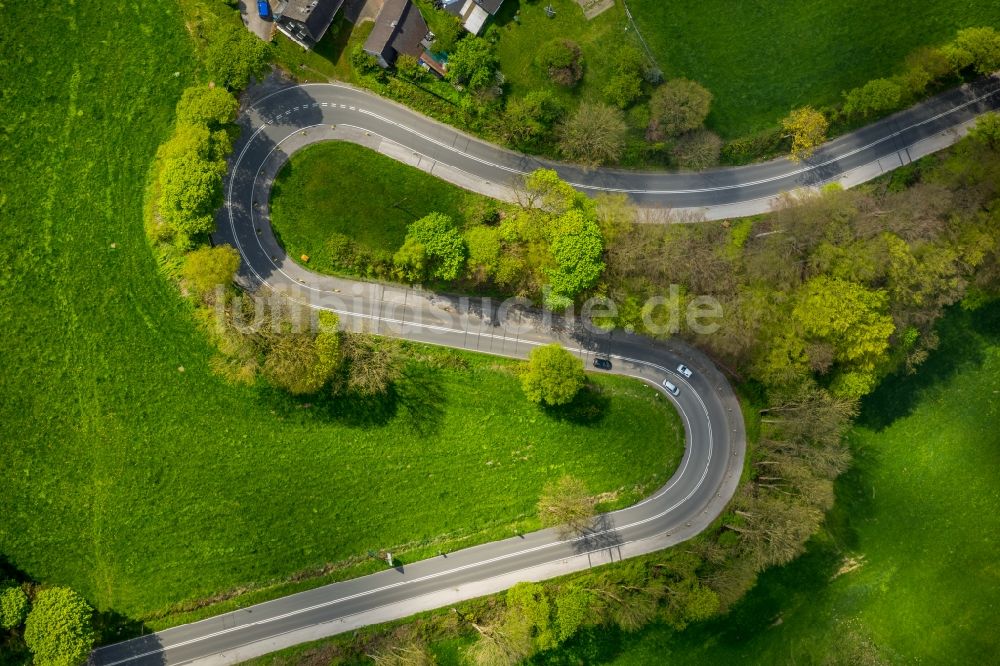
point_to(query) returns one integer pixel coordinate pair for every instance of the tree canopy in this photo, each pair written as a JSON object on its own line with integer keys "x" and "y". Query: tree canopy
{"x": 472, "y": 63}
{"x": 678, "y": 106}
{"x": 807, "y": 128}
{"x": 594, "y": 134}
{"x": 58, "y": 630}
{"x": 553, "y": 376}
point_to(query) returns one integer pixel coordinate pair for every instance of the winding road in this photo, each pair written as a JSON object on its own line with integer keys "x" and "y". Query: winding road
{"x": 282, "y": 120}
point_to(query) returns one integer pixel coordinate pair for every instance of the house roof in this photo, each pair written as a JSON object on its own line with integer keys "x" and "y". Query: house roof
{"x": 399, "y": 26}
{"x": 490, "y": 5}
{"x": 316, "y": 15}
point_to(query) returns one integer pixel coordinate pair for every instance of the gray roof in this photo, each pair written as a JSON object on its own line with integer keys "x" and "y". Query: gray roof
{"x": 399, "y": 28}
{"x": 315, "y": 15}
{"x": 490, "y": 6}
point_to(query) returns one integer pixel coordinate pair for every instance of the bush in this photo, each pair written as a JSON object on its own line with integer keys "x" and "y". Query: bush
{"x": 563, "y": 60}
{"x": 876, "y": 96}
{"x": 191, "y": 190}
{"x": 58, "y": 630}
{"x": 677, "y": 106}
{"x": 553, "y": 375}
{"x": 234, "y": 55}
{"x": 13, "y": 607}
{"x": 750, "y": 148}
{"x": 364, "y": 63}
{"x": 409, "y": 67}
{"x": 699, "y": 149}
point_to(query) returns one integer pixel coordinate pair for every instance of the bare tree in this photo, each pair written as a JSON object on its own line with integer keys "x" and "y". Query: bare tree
{"x": 566, "y": 504}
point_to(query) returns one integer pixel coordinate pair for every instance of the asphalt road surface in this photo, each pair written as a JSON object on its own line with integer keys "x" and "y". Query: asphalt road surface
{"x": 283, "y": 120}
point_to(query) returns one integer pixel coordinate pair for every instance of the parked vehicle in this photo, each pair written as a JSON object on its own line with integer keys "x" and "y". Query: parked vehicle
{"x": 263, "y": 9}
{"x": 684, "y": 370}
{"x": 602, "y": 363}
{"x": 671, "y": 387}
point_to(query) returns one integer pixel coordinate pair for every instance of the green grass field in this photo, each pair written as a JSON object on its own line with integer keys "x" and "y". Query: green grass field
{"x": 132, "y": 473}
{"x": 372, "y": 201}
{"x": 761, "y": 59}
{"x": 908, "y": 561}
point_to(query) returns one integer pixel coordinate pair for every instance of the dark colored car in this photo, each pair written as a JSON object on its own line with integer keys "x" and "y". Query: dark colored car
{"x": 263, "y": 9}
{"x": 602, "y": 364}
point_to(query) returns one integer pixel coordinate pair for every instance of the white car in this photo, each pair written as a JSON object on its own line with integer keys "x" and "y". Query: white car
{"x": 671, "y": 387}
{"x": 684, "y": 370}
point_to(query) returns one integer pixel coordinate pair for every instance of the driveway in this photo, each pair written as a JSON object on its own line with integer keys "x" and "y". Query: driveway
{"x": 254, "y": 23}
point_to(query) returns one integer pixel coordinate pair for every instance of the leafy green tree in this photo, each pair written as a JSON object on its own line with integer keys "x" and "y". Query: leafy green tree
{"x": 206, "y": 268}
{"x": 410, "y": 261}
{"x": 544, "y": 189}
{"x": 987, "y": 130}
{"x": 58, "y": 630}
{"x": 409, "y": 67}
{"x": 577, "y": 246}
{"x": 472, "y": 63}
{"x": 807, "y": 127}
{"x": 484, "y": 252}
{"x": 574, "y": 609}
{"x": 234, "y": 55}
{"x": 191, "y": 190}
{"x": 566, "y": 505}
{"x": 442, "y": 246}
{"x": 698, "y": 149}
{"x": 553, "y": 376}
{"x": 527, "y": 118}
{"x": 531, "y": 602}
{"x": 364, "y": 63}
{"x": 594, "y": 134}
{"x": 447, "y": 31}
{"x": 206, "y": 105}
{"x": 678, "y": 106}
{"x": 13, "y": 607}
{"x": 980, "y": 47}
{"x": 876, "y": 96}
{"x": 563, "y": 60}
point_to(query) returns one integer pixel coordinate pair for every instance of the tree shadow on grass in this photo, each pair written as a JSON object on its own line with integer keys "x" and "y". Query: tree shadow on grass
{"x": 963, "y": 337}
{"x": 418, "y": 396}
{"x": 588, "y": 408}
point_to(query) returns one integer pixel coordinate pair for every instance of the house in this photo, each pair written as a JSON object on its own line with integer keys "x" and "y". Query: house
{"x": 305, "y": 21}
{"x": 473, "y": 13}
{"x": 399, "y": 28}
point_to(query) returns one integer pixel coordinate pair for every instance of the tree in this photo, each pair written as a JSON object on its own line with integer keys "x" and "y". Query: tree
{"x": 531, "y": 602}
{"x": 58, "y": 630}
{"x": 447, "y": 31}
{"x": 484, "y": 252}
{"x": 698, "y": 149}
{"x": 373, "y": 364}
{"x": 206, "y": 268}
{"x": 472, "y": 63}
{"x": 563, "y": 60}
{"x": 234, "y": 55}
{"x": 594, "y": 134}
{"x": 567, "y": 505}
{"x": 577, "y": 247}
{"x": 807, "y": 127}
{"x": 211, "y": 106}
{"x": 409, "y": 67}
{"x": 553, "y": 376}
{"x": 987, "y": 130}
{"x": 443, "y": 249}
{"x": 526, "y": 118}
{"x": 190, "y": 191}
{"x": 303, "y": 361}
{"x": 678, "y": 106}
{"x": 876, "y": 96}
{"x": 574, "y": 609}
{"x": 13, "y": 607}
{"x": 982, "y": 46}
